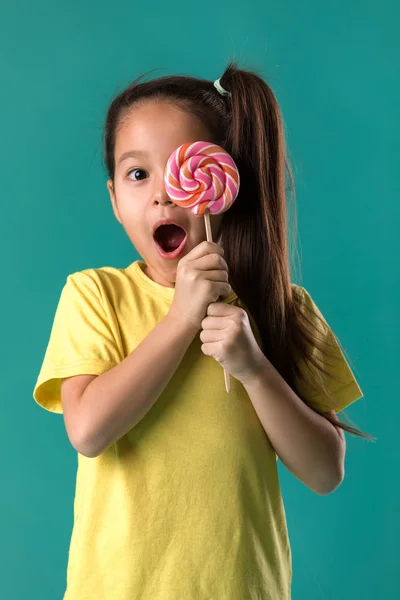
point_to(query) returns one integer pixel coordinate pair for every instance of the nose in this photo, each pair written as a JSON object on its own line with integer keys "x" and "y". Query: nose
{"x": 161, "y": 197}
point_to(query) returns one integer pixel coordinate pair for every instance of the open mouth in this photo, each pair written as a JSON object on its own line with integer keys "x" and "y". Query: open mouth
{"x": 169, "y": 237}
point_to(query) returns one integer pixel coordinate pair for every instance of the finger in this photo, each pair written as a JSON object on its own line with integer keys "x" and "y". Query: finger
{"x": 219, "y": 309}
{"x": 205, "y": 248}
{"x": 213, "y": 260}
{"x": 214, "y": 323}
{"x": 209, "y": 336}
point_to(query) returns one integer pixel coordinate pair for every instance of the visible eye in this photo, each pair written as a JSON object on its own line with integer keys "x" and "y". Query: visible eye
{"x": 135, "y": 171}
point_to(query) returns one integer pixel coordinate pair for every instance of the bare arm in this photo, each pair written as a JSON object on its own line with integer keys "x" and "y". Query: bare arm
{"x": 113, "y": 403}
{"x": 308, "y": 444}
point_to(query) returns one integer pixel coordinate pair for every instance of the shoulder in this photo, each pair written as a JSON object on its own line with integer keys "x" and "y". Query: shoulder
{"x": 99, "y": 274}
{"x": 304, "y": 300}
{"x": 100, "y": 281}
{"x": 309, "y": 312}
{"x": 297, "y": 290}
{"x": 300, "y": 296}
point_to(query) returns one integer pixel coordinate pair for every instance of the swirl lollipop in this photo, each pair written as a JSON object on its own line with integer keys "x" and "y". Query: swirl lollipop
{"x": 203, "y": 177}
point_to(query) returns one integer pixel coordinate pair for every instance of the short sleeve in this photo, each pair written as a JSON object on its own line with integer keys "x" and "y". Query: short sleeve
{"x": 81, "y": 340}
{"x": 343, "y": 385}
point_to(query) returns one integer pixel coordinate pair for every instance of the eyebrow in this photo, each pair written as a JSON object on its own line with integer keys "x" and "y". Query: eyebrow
{"x": 132, "y": 154}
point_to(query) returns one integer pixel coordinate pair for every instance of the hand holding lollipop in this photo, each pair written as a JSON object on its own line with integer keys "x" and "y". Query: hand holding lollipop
{"x": 203, "y": 177}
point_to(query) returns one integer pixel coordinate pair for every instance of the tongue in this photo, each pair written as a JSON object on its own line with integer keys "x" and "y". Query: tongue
{"x": 170, "y": 237}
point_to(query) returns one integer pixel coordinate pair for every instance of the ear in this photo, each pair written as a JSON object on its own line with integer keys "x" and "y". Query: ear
{"x": 110, "y": 188}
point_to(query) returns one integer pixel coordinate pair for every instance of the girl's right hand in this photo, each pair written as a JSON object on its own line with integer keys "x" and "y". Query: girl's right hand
{"x": 201, "y": 278}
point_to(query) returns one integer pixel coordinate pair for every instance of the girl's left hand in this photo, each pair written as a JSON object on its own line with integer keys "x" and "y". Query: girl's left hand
{"x": 227, "y": 337}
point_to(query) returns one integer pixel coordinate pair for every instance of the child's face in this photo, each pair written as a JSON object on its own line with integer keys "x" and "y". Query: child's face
{"x": 139, "y": 198}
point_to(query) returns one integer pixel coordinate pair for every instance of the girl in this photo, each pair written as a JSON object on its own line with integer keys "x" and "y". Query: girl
{"x": 177, "y": 492}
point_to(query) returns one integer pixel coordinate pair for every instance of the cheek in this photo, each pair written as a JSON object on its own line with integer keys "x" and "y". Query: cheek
{"x": 198, "y": 227}
{"x": 130, "y": 202}
{"x": 132, "y": 218}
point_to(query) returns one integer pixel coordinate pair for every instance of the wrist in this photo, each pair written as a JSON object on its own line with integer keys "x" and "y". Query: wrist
{"x": 258, "y": 373}
{"x": 180, "y": 322}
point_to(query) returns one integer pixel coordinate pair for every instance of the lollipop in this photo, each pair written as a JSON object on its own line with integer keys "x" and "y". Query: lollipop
{"x": 203, "y": 177}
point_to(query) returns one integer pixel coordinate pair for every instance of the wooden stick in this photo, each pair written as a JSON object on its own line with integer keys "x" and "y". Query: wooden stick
{"x": 209, "y": 239}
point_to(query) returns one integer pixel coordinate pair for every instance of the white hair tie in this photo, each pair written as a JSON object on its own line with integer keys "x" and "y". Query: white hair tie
{"x": 221, "y": 89}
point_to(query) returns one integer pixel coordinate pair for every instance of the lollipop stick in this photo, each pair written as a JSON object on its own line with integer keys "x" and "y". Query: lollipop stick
{"x": 209, "y": 239}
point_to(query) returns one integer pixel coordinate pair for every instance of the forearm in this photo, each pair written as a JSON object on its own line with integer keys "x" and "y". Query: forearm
{"x": 117, "y": 400}
{"x": 307, "y": 443}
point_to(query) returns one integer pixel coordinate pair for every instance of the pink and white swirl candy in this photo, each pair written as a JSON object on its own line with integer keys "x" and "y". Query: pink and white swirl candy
{"x": 202, "y": 176}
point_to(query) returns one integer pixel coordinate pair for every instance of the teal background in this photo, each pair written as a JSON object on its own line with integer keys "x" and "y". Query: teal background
{"x": 334, "y": 68}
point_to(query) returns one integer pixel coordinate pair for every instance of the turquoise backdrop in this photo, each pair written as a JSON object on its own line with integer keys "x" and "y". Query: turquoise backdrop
{"x": 335, "y": 70}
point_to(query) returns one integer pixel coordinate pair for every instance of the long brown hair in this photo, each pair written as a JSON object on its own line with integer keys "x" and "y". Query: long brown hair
{"x": 249, "y": 125}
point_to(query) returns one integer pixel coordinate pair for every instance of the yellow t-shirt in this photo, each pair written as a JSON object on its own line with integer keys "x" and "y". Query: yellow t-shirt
{"x": 187, "y": 505}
